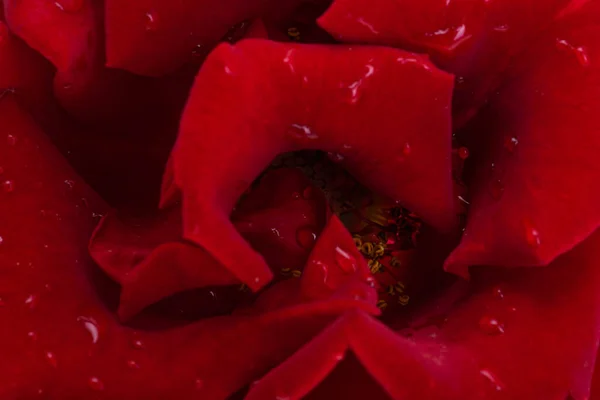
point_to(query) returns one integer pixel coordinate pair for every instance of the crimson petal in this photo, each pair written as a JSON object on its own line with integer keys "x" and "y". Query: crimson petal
{"x": 154, "y": 38}
{"x": 472, "y": 39}
{"x": 275, "y": 113}
{"x": 537, "y": 191}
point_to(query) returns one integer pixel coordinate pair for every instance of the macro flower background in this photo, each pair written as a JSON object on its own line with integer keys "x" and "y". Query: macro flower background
{"x": 312, "y": 199}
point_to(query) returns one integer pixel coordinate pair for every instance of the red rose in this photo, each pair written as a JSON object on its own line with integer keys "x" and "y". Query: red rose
{"x": 326, "y": 175}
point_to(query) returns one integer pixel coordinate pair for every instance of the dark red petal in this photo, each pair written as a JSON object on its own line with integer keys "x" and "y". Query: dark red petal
{"x": 154, "y": 38}
{"x": 275, "y": 113}
{"x": 537, "y": 192}
{"x": 63, "y": 342}
{"x": 148, "y": 257}
{"x": 64, "y": 31}
{"x": 527, "y": 334}
{"x": 472, "y": 39}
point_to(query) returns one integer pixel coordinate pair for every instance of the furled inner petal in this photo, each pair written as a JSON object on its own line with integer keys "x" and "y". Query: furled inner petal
{"x": 304, "y": 101}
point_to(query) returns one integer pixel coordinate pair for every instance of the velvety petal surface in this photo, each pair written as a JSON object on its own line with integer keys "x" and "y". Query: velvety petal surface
{"x": 473, "y": 39}
{"x": 304, "y": 101}
{"x": 154, "y": 38}
{"x": 535, "y": 194}
{"x": 520, "y": 334}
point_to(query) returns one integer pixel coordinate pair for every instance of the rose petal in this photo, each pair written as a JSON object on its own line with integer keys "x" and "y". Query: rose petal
{"x": 472, "y": 39}
{"x": 272, "y": 118}
{"x": 150, "y": 261}
{"x": 155, "y": 38}
{"x": 536, "y": 193}
{"x": 492, "y": 344}
{"x": 62, "y": 340}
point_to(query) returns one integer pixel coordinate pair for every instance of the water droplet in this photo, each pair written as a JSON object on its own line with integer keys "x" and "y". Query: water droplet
{"x": 91, "y": 326}
{"x": 137, "y": 344}
{"x": 31, "y": 335}
{"x": 256, "y": 279}
{"x": 95, "y": 384}
{"x": 1, "y": 240}
{"x": 510, "y": 143}
{"x": 69, "y": 183}
{"x": 406, "y": 149}
{"x": 298, "y": 131}
{"x": 498, "y": 293}
{"x": 335, "y": 157}
{"x": 582, "y": 56}
{"x": 345, "y": 261}
{"x": 51, "y": 358}
{"x": 69, "y": 6}
{"x": 150, "y": 21}
{"x": 496, "y": 188}
{"x": 580, "y": 52}
{"x": 491, "y": 326}
{"x": 8, "y": 186}
{"x": 533, "y": 237}
{"x": 133, "y": 364}
{"x": 502, "y": 28}
{"x": 31, "y": 301}
{"x": 11, "y": 140}
{"x": 490, "y": 377}
{"x": 463, "y": 153}
{"x": 199, "y": 383}
{"x": 338, "y": 357}
{"x": 306, "y": 237}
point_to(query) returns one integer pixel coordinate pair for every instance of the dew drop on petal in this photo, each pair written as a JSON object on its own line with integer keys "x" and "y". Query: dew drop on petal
{"x": 199, "y": 383}
{"x": 345, "y": 261}
{"x": 492, "y": 379}
{"x": 91, "y": 326}
{"x": 582, "y": 56}
{"x": 69, "y": 6}
{"x": 31, "y": 301}
{"x": 463, "y": 153}
{"x": 150, "y": 21}
{"x": 498, "y": 293}
{"x": 338, "y": 356}
{"x": 510, "y": 143}
{"x": 496, "y": 189}
{"x": 491, "y": 326}
{"x": 31, "y": 335}
{"x": 51, "y": 359}
{"x": 137, "y": 344}
{"x": 306, "y": 237}
{"x": 335, "y": 157}
{"x": 11, "y": 140}
{"x": 8, "y": 186}
{"x": 533, "y": 237}
{"x": 132, "y": 364}
{"x": 406, "y": 149}
{"x": 298, "y": 131}
{"x": 95, "y": 383}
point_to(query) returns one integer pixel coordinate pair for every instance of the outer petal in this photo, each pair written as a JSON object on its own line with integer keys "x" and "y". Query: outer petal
{"x": 528, "y": 334}
{"x": 275, "y": 113}
{"x": 63, "y": 342}
{"x": 536, "y": 193}
{"x": 154, "y": 38}
{"x": 472, "y": 39}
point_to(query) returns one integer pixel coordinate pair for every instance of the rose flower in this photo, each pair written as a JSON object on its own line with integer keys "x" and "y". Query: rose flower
{"x": 252, "y": 199}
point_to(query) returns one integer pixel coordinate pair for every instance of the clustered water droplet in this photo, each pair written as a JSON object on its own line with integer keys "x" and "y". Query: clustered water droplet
{"x": 491, "y": 326}
{"x": 150, "y": 21}
{"x": 345, "y": 260}
{"x": 91, "y": 326}
{"x": 580, "y": 52}
{"x": 298, "y": 131}
{"x": 306, "y": 237}
{"x": 95, "y": 383}
{"x": 8, "y": 186}
{"x": 533, "y": 237}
